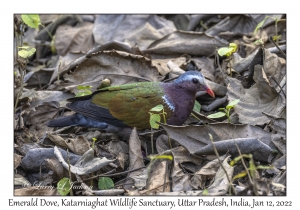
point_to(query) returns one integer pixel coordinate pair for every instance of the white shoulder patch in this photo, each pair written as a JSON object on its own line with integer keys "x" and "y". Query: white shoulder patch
{"x": 169, "y": 103}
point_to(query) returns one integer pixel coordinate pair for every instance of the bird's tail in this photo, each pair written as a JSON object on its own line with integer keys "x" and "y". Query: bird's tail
{"x": 76, "y": 120}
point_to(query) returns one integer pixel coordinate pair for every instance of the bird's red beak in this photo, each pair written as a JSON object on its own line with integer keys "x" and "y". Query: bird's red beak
{"x": 210, "y": 92}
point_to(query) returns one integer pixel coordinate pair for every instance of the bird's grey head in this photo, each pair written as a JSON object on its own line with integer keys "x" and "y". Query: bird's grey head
{"x": 193, "y": 81}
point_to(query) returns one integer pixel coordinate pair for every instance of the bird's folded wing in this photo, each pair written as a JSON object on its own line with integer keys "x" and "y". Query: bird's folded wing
{"x": 90, "y": 110}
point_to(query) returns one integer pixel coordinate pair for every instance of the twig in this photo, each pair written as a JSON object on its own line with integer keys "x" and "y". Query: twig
{"x": 71, "y": 191}
{"x": 40, "y": 173}
{"x": 270, "y": 38}
{"x": 116, "y": 174}
{"x": 152, "y": 143}
{"x": 254, "y": 178}
{"x": 243, "y": 162}
{"x": 218, "y": 63}
{"x": 21, "y": 83}
{"x": 165, "y": 178}
{"x": 155, "y": 188}
{"x": 279, "y": 87}
{"x": 38, "y": 78}
{"x": 217, "y": 154}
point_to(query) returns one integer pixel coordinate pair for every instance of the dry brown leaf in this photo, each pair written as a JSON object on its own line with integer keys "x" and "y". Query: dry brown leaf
{"x": 219, "y": 187}
{"x": 78, "y": 145}
{"x": 250, "y": 139}
{"x": 36, "y": 191}
{"x": 221, "y": 183}
{"x": 206, "y": 65}
{"x": 20, "y": 180}
{"x": 34, "y": 158}
{"x": 38, "y": 118}
{"x": 135, "y": 161}
{"x": 137, "y": 30}
{"x": 162, "y": 143}
{"x": 57, "y": 140}
{"x": 162, "y": 66}
{"x": 180, "y": 180}
{"x": 241, "y": 24}
{"x": 54, "y": 165}
{"x": 156, "y": 179}
{"x": 17, "y": 160}
{"x": 259, "y": 98}
{"x": 47, "y": 96}
{"x": 186, "y": 42}
{"x": 74, "y": 39}
{"x": 119, "y": 67}
{"x": 85, "y": 165}
{"x": 205, "y": 176}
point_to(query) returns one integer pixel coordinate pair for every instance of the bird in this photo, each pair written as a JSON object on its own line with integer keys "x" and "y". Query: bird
{"x": 128, "y": 105}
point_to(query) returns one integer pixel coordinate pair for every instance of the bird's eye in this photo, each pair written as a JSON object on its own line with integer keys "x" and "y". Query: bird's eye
{"x": 195, "y": 81}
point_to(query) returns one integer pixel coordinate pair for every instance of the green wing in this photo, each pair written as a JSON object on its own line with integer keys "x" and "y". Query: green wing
{"x": 131, "y": 103}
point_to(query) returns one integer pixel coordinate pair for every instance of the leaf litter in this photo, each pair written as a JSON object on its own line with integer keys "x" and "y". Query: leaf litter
{"x": 174, "y": 160}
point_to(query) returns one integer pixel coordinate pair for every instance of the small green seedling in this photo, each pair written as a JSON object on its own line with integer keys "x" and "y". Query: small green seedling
{"x": 227, "y": 51}
{"x": 261, "y": 23}
{"x": 33, "y": 21}
{"x": 250, "y": 171}
{"x": 26, "y": 51}
{"x": 94, "y": 140}
{"x": 155, "y": 117}
{"x": 83, "y": 90}
{"x": 197, "y": 106}
{"x": 225, "y": 111}
{"x": 259, "y": 42}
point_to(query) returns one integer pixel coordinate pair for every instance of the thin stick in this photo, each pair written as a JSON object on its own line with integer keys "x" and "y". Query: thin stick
{"x": 277, "y": 47}
{"x": 71, "y": 191}
{"x": 116, "y": 174}
{"x": 279, "y": 87}
{"x": 154, "y": 188}
{"x": 217, "y": 154}
{"x": 165, "y": 178}
{"x": 243, "y": 162}
{"x": 218, "y": 63}
{"x": 22, "y": 86}
{"x": 152, "y": 143}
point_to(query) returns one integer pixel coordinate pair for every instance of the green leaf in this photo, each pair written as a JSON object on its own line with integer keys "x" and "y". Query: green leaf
{"x": 216, "y": 115}
{"x": 64, "y": 186}
{"x": 260, "y": 24}
{"x": 84, "y": 93}
{"x": 52, "y": 45}
{"x": 168, "y": 157}
{"x": 259, "y": 42}
{"x": 240, "y": 175}
{"x": 197, "y": 106}
{"x": 82, "y": 87}
{"x": 227, "y": 50}
{"x": 153, "y": 119}
{"x": 105, "y": 183}
{"x": 33, "y": 21}
{"x": 205, "y": 192}
{"x": 232, "y": 103}
{"x": 276, "y": 37}
{"x": 26, "y": 52}
{"x": 157, "y": 108}
{"x": 84, "y": 90}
